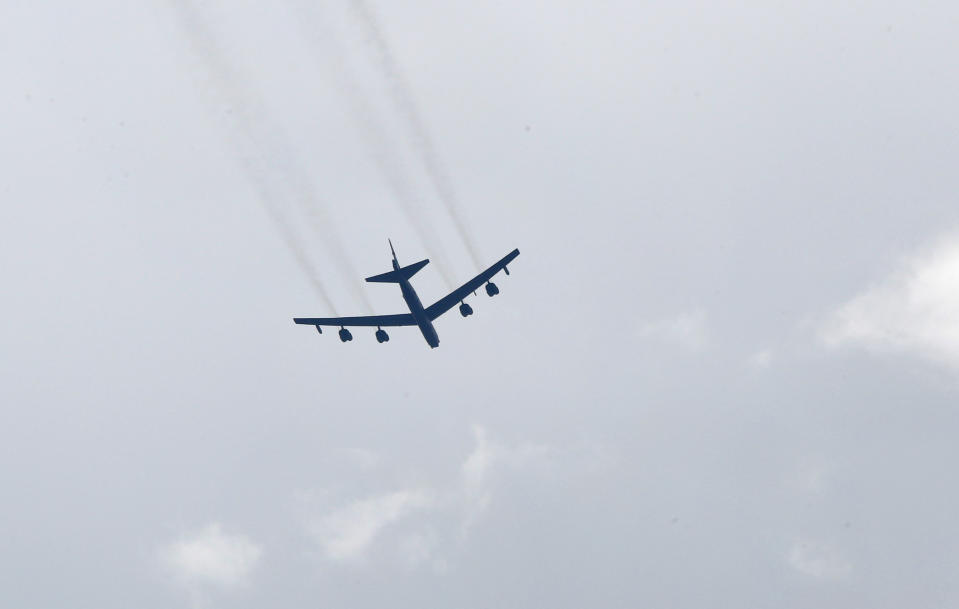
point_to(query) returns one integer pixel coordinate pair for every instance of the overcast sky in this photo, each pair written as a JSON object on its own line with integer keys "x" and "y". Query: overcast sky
{"x": 723, "y": 373}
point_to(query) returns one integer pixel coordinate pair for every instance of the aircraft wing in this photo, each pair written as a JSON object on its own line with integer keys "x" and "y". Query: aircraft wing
{"x": 448, "y": 302}
{"x": 402, "y": 319}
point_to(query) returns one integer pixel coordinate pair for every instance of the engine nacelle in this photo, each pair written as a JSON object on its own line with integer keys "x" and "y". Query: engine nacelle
{"x": 466, "y": 310}
{"x": 319, "y": 329}
{"x": 491, "y": 288}
{"x": 382, "y": 336}
{"x": 345, "y": 335}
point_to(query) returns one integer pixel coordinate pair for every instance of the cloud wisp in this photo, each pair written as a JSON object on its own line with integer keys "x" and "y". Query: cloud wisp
{"x": 761, "y": 360}
{"x": 915, "y": 310}
{"x": 819, "y": 560}
{"x": 347, "y": 533}
{"x": 210, "y": 558}
{"x": 686, "y": 330}
{"x": 420, "y": 525}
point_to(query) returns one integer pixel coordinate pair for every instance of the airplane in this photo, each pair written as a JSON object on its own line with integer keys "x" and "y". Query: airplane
{"x": 418, "y": 315}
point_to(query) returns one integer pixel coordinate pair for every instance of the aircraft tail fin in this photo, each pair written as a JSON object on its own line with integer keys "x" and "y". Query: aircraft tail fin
{"x": 400, "y": 274}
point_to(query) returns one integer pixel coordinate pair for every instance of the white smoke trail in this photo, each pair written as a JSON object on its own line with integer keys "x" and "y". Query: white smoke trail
{"x": 403, "y": 100}
{"x": 261, "y": 143}
{"x": 377, "y": 141}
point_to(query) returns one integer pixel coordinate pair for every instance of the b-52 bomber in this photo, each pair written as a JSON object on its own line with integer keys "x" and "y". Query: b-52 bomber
{"x": 418, "y": 315}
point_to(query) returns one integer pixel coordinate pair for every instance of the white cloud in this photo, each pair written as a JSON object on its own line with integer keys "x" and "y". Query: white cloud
{"x": 761, "y": 359}
{"x": 914, "y": 310}
{"x": 687, "y": 330}
{"x": 476, "y": 493}
{"x": 347, "y": 533}
{"x": 814, "y": 475}
{"x": 479, "y": 466}
{"x": 476, "y": 466}
{"x": 211, "y": 557}
{"x": 818, "y": 560}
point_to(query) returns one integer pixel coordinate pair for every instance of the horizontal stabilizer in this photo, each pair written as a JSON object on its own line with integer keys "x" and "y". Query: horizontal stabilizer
{"x": 398, "y": 275}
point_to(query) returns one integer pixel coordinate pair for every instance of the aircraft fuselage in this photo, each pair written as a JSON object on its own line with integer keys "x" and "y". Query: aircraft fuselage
{"x": 419, "y": 314}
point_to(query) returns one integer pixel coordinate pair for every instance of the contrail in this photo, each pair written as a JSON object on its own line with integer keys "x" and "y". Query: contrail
{"x": 403, "y": 100}
{"x": 290, "y": 238}
{"x": 264, "y": 142}
{"x": 377, "y": 141}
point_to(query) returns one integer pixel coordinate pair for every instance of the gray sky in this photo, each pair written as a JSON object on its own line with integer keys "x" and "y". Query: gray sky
{"x": 722, "y": 373}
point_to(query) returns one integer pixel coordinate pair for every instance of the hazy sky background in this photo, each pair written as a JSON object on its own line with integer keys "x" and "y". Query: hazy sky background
{"x": 723, "y": 372}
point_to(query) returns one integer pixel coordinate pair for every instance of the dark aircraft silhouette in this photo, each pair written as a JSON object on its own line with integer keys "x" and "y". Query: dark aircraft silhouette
{"x": 418, "y": 316}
